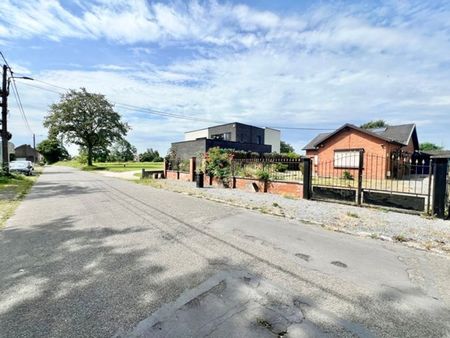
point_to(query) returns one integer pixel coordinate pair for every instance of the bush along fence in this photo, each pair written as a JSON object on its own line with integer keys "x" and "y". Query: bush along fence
{"x": 276, "y": 175}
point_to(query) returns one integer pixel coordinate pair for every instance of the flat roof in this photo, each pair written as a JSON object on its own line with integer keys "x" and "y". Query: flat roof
{"x": 226, "y": 124}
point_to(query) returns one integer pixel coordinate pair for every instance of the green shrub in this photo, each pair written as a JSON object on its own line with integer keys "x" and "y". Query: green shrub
{"x": 281, "y": 167}
{"x": 346, "y": 175}
{"x": 263, "y": 175}
{"x": 218, "y": 164}
{"x": 183, "y": 165}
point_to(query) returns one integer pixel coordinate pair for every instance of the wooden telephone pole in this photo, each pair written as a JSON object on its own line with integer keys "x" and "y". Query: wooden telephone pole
{"x": 4, "y": 95}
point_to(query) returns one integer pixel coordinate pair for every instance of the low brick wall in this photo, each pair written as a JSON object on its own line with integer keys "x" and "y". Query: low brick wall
{"x": 292, "y": 189}
{"x": 249, "y": 184}
{"x": 185, "y": 177}
{"x": 174, "y": 175}
{"x": 171, "y": 175}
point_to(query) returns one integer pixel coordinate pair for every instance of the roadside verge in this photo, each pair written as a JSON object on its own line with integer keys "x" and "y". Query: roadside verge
{"x": 12, "y": 191}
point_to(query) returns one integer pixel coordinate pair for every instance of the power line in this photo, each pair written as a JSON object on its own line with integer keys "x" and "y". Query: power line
{"x": 4, "y": 59}
{"x": 303, "y": 128}
{"x": 50, "y": 84}
{"x": 19, "y": 103}
{"x": 16, "y": 95}
{"x": 40, "y": 87}
{"x": 131, "y": 107}
{"x": 163, "y": 113}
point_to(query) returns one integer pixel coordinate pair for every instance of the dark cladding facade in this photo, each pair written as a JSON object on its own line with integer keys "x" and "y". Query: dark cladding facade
{"x": 237, "y": 132}
{"x": 188, "y": 149}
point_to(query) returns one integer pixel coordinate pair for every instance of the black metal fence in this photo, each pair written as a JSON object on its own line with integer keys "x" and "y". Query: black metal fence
{"x": 179, "y": 165}
{"x": 273, "y": 169}
{"x": 397, "y": 180}
{"x": 393, "y": 173}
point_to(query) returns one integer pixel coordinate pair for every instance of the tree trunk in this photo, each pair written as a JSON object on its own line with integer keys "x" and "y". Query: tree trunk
{"x": 89, "y": 156}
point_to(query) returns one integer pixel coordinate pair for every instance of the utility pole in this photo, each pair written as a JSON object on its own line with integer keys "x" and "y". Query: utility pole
{"x": 5, "y": 150}
{"x": 34, "y": 141}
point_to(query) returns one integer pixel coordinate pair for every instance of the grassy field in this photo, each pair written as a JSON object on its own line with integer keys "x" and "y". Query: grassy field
{"x": 12, "y": 190}
{"x": 114, "y": 166}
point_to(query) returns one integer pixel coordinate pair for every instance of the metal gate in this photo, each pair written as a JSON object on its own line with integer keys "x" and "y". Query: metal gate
{"x": 396, "y": 180}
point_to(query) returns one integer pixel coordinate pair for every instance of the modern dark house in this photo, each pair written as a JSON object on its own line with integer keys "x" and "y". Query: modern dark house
{"x": 28, "y": 153}
{"x": 237, "y": 136}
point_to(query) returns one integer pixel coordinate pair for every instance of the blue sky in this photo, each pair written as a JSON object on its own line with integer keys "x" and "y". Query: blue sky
{"x": 269, "y": 63}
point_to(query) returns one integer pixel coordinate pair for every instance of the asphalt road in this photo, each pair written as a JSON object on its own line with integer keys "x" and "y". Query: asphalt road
{"x": 91, "y": 256}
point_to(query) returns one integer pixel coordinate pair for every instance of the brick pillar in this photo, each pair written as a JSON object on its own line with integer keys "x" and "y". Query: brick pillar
{"x": 166, "y": 165}
{"x": 192, "y": 163}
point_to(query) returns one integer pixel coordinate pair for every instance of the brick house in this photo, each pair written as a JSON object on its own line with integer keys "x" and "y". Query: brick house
{"x": 28, "y": 153}
{"x": 385, "y": 150}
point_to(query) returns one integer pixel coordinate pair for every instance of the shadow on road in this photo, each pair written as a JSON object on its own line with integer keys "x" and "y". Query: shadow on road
{"x": 58, "y": 280}
{"x": 63, "y": 190}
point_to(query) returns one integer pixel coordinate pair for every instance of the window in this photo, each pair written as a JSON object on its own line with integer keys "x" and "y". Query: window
{"x": 259, "y": 139}
{"x": 217, "y": 137}
{"x": 224, "y": 136}
{"x": 346, "y": 158}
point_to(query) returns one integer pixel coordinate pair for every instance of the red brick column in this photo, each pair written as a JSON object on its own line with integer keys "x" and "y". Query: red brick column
{"x": 192, "y": 163}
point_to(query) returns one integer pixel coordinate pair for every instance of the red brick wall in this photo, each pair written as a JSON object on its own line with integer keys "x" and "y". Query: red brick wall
{"x": 286, "y": 189}
{"x": 375, "y": 151}
{"x": 185, "y": 177}
{"x": 247, "y": 184}
{"x": 273, "y": 187}
{"x": 276, "y": 187}
{"x": 171, "y": 175}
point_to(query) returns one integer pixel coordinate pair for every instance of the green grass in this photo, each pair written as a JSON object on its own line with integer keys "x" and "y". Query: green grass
{"x": 12, "y": 190}
{"x": 113, "y": 166}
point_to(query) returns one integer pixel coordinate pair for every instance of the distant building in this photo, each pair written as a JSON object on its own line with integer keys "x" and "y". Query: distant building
{"x": 237, "y": 136}
{"x": 10, "y": 151}
{"x": 28, "y": 153}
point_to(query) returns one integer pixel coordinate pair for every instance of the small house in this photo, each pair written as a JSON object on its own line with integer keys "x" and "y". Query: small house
{"x": 386, "y": 152}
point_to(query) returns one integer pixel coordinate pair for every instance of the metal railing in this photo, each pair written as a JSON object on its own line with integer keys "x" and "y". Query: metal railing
{"x": 273, "y": 169}
{"x": 179, "y": 165}
{"x": 392, "y": 173}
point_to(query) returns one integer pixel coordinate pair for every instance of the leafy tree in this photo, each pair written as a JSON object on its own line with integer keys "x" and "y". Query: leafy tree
{"x": 374, "y": 124}
{"x": 286, "y": 148}
{"x": 150, "y": 155}
{"x": 100, "y": 154}
{"x": 52, "y": 150}
{"x": 85, "y": 119}
{"x": 429, "y": 146}
{"x": 122, "y": 151}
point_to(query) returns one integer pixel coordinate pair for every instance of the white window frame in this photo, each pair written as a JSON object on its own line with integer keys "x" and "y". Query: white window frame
{"x": 346, "y": 159}
{"x": 316, "y": 159}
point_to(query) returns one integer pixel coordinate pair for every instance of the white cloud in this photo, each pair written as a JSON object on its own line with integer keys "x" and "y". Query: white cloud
{"x": 325, "y": 66}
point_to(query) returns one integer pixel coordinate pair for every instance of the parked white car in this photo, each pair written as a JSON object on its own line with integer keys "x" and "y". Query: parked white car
{"x": 23, "y": 167}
